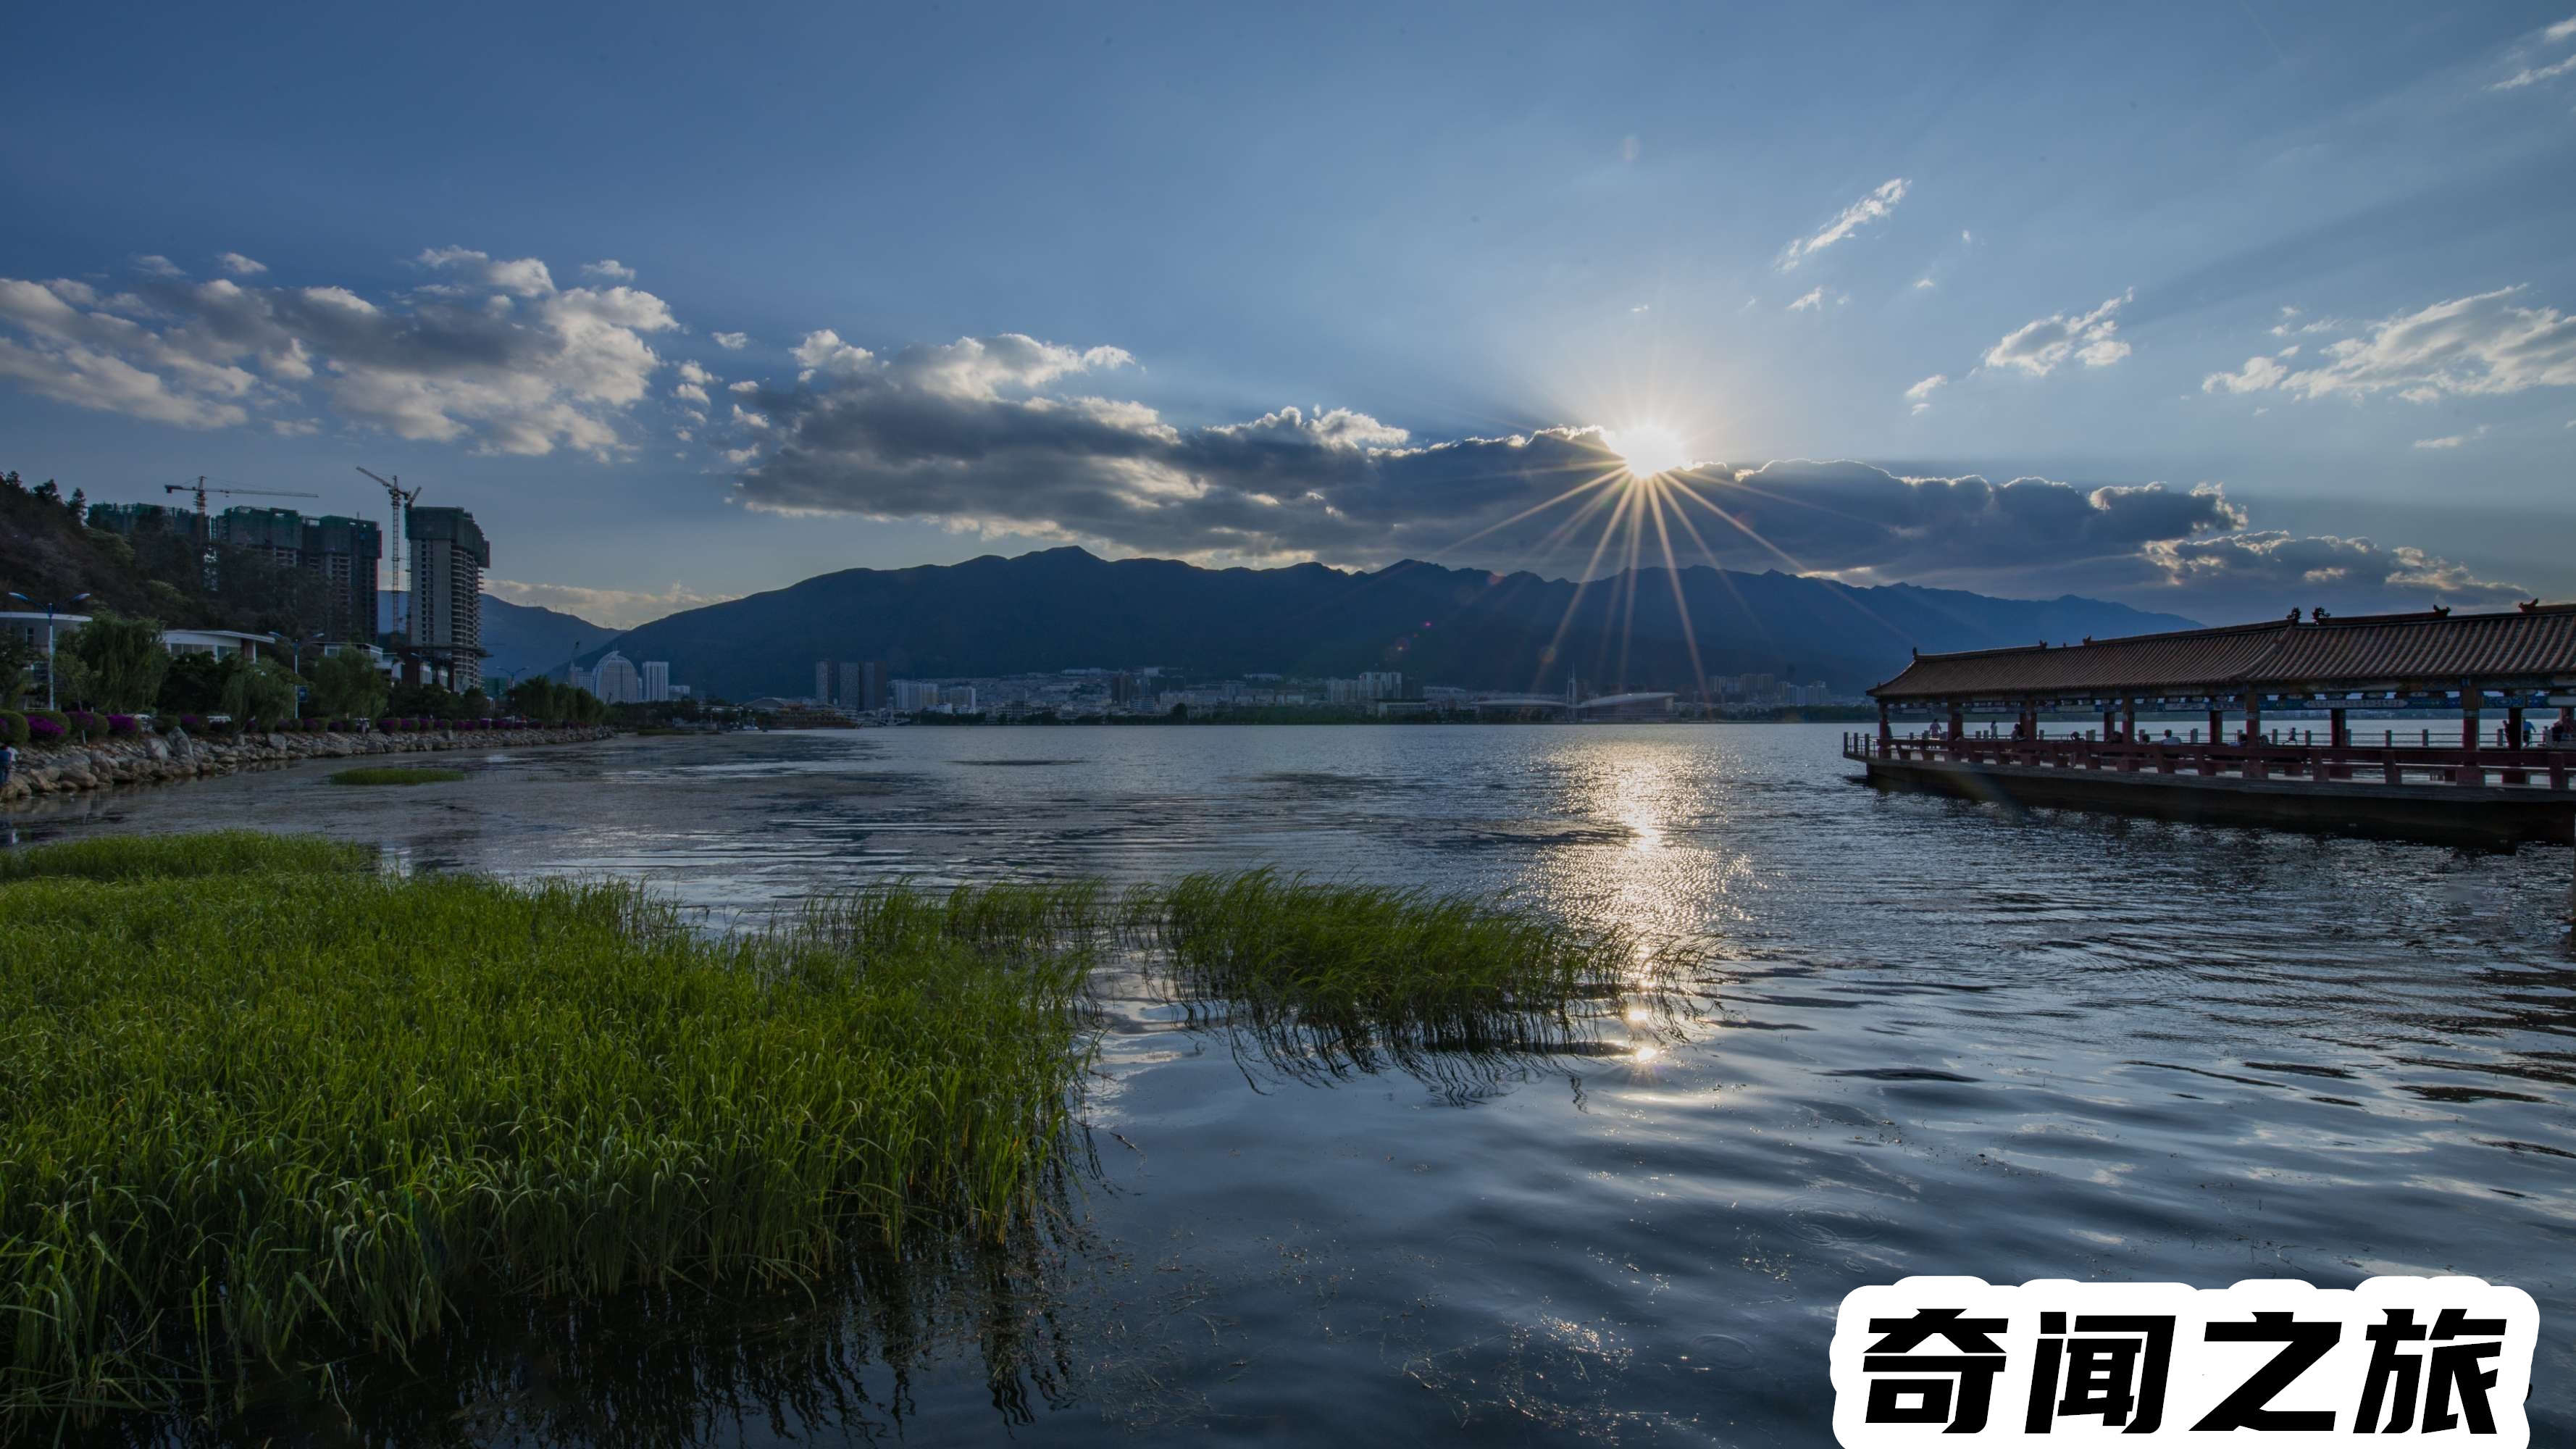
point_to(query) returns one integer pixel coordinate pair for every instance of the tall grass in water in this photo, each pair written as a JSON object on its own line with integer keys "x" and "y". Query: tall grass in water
{"x": 223, "y": 852}
{"x": 396, "y": 775}
{"x": 1332, "y": 977}
{"x": 261, "y": 1106}
{"x": 249, "y": 1115}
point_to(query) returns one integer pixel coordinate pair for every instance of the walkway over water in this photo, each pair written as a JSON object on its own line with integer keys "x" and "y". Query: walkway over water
{"x": 2509, "y": 784}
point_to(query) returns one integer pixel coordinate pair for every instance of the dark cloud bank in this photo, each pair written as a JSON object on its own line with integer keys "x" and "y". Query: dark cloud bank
{"x": 984, "y": 433}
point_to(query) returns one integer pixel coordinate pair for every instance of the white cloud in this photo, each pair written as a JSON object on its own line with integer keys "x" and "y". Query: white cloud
{"x": 239, "y": 265}
{"x": 2453, "y": 441}
{"x": 295, "y": 427}
{"x": 544, "y": 369}
{"x": 524, "y": 277}
{"x": 2039, "y": 347}
{"x": 2257, "y": 374}
{"x": 1860, "y": 213}
{"x": 1922, "y": 284}
{"x": 731, "y": 341}
{"x": 1920, "y": 394}
{"x": 2468, "y": 346}
{"x": 746, "y": 385}
{"x": 609, "y": 270}
{"x": 616, "y": 608}
{"x": 2529, "y": 75}
{"x": 157, "y": 266}
{"x": 2532, "y": 76}
{"x": 1809, "y": 302}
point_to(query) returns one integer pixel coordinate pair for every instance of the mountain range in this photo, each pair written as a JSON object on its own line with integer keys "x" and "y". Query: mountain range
{"x": 524, "y": 639}
{"x": 1064, "y": 608}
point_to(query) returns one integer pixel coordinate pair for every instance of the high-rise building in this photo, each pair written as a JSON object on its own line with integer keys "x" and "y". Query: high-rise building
{"x": 856, "y": 687}
{"x": 615, "y": 680}
{"x": 448, "y": 557}
{"x": 911, "y": 696}
{"x": 276, "y": 534}
{"x": 657, "y": 681}
{"x": 1381, "y": 685}
{"x": 345, "y": 552}
{"x": 133, "y": 518}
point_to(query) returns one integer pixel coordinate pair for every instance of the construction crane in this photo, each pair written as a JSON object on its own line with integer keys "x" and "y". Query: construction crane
{"x": 200, "y": 489}
{"x": 401, "y": 504}
{"x": 206, "y": 527}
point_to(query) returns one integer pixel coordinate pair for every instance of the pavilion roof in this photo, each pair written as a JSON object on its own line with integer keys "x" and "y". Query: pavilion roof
{"x": 2532, "y": 647}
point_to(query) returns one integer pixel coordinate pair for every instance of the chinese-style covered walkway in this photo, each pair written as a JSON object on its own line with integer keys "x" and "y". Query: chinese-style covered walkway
{"x": 2505, "y": 775}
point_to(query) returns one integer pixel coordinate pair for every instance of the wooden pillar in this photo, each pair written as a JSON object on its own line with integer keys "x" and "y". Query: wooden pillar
{"x": 1958, "y": 721}
{"x": 2217, "y": 725}
{"x": 1886, "y": 731}
{"x": 2470, "y": 772}
{"x": 2513, "y": 727}
{"x": 2253, "y": 717}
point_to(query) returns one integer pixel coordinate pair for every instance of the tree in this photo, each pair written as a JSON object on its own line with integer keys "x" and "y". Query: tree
{"x": 261, "y": 689}
{"x": 15, "y": 655}
{"x": 348, "y": 685}
{"x": 117, "y": 661}
{"x": 195, "y": 684}
{"x": 423, "y": 701}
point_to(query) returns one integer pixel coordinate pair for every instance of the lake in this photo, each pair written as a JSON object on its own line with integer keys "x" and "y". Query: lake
{"x": 1934, "y": 1038}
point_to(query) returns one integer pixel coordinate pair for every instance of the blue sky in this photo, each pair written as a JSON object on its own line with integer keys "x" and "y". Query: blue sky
{"x": 1075, "y": 267}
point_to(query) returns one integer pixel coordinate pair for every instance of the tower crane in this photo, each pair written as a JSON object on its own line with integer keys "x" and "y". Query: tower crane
{"x": 200, "y": 489}
{"x": 400, "y": 502}
{"x": 206, "y": 527}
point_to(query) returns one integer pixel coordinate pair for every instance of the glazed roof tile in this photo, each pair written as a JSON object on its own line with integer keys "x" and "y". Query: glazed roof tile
{"x": 2530, "y": 647}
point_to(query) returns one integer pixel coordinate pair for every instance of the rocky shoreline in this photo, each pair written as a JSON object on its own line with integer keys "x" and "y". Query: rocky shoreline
{"x": 157, "y": 759}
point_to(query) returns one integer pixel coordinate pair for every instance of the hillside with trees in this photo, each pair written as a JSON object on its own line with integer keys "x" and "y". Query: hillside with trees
{"x": 47, "y": 552}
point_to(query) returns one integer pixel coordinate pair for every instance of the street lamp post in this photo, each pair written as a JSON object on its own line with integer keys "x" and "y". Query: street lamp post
{"x": 48, "y": 606}
{"x": 297, "y": 646}
{"x": 295, "y": 649}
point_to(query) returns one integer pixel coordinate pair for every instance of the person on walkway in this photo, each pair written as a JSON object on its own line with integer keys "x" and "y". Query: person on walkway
{"x": 8, "y": 764}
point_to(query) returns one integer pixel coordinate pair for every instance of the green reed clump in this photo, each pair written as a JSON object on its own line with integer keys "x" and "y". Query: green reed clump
{"x": 250, "y": 1119}
{"x": 223, "y": 852}
{"x": 1336, "y": 977}
{"x": 1330, "y": 946}
{"x": 396, "y": 775}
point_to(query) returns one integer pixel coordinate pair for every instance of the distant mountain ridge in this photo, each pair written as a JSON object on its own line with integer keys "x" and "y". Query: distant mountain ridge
{"x": 525, "y": 639}
{"x": 1065, "y": 608}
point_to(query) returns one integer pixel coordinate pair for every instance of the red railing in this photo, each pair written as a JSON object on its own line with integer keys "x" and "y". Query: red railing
{"x": 2382, "y": 764}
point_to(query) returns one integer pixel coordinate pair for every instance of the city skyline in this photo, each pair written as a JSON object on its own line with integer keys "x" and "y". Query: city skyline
{"x": 2289, "y": 279}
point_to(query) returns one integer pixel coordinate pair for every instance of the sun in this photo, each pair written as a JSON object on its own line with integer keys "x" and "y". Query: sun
{"x": 1649, "y": 449}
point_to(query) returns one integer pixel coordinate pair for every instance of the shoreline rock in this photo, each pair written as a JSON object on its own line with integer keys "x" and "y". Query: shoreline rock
{"x": 161, "y": 759}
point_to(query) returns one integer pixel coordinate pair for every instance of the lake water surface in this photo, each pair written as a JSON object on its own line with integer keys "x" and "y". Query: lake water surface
{"x": 1934, "y": 1039}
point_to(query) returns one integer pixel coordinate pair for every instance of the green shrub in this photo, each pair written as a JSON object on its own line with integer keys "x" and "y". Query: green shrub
{"x": 13, "y": 727}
